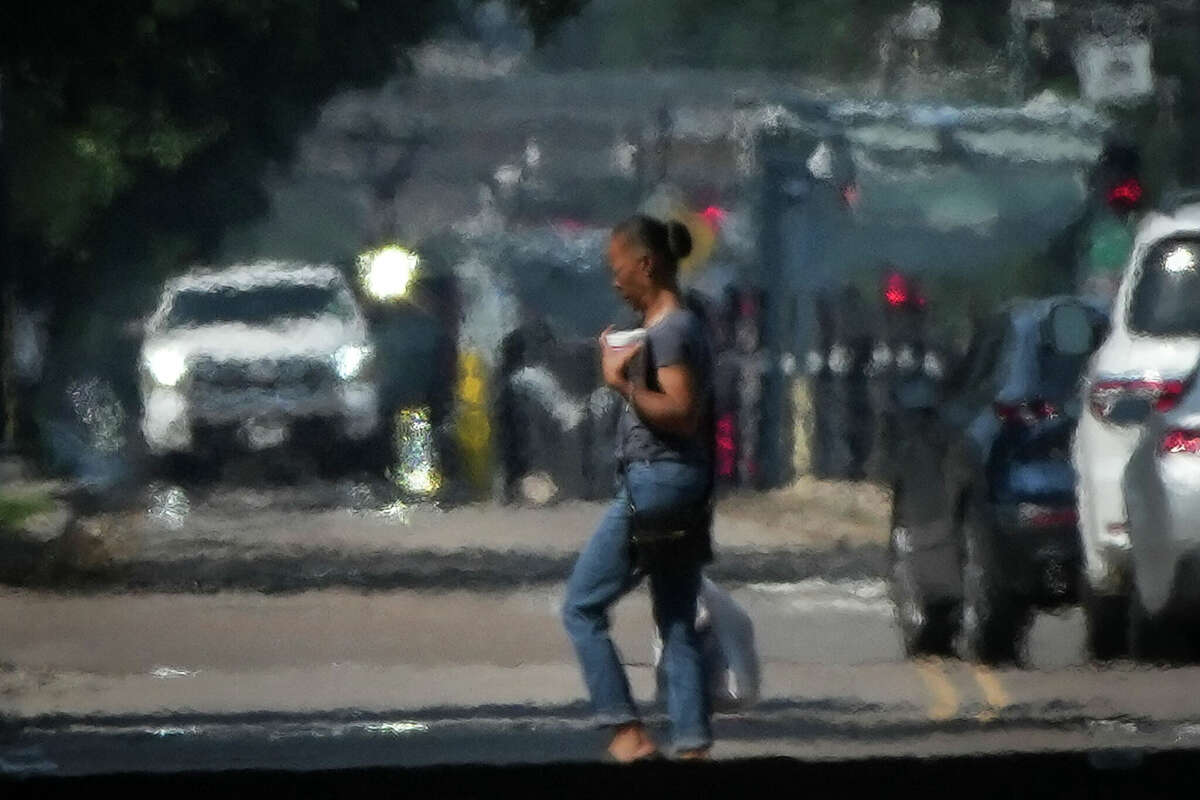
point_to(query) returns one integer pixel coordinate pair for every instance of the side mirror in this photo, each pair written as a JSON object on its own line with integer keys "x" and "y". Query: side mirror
{"x": 1068, "y": 330}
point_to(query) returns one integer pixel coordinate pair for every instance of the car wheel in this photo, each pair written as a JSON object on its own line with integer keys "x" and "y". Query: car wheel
{"x": 188, "y": 469}
{"x": 1107, "y": 623}
{"x": 925, "y": 628}
{"x": 336, "y": 459}
{"x": 994, "y": 620}
{"x": 377, "y": 453}
{"x": 1158, "y": 638}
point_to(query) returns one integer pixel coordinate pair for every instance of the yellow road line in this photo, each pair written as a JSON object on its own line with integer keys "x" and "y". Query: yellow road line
{"x": 945, "y": 696}
{"x": 993, "y": 691}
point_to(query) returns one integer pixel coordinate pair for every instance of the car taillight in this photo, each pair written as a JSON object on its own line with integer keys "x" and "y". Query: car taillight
{"x": 1033, "y": 515}
{"x": 1163, "y": 395}
{"x": 1169, "y": 398}
{"x": 1028, "y": 413}
{"x": 1181, "y": 442}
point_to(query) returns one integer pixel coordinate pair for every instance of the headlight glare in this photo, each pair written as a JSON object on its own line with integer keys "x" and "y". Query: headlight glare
{"x": 166, "y": 367}
{"x": 351, "y": 361}
{"x": 387, "y": 274}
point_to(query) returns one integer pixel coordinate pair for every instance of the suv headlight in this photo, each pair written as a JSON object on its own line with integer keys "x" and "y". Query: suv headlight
{"x": 353, "y": 361}
{"x": 167, "y": 367}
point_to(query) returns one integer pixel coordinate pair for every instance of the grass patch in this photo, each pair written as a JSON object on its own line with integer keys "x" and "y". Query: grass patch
{"x": 15, "y": 509}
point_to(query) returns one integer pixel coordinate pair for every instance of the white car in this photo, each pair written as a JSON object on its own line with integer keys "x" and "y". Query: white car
{"x": 254, "y": 355}
{"x": 1162, "y": 491}
{"x": 1143, "y": 365}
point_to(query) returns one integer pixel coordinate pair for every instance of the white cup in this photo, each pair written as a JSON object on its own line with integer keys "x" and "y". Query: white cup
{"x": 622, "y": 339}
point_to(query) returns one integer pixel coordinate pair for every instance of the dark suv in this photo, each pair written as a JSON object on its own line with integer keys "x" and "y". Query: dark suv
{"x": 984, "y": 523}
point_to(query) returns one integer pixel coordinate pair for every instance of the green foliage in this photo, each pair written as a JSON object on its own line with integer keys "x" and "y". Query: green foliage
{"x": 132, "y": 124}
{"x": 16, "y": 509}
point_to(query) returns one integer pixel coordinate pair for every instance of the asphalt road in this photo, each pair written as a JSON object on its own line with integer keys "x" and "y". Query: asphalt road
{"x": 337, "y": 679}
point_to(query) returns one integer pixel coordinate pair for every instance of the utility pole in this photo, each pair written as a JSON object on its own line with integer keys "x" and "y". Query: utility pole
{"x": 8, "y": 377}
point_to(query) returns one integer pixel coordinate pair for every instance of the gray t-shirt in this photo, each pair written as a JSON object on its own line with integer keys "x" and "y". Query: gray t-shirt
{"x": 678, "y": 338}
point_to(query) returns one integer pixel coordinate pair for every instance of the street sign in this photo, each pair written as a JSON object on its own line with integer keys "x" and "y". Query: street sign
{"x": 1114, "y": 71}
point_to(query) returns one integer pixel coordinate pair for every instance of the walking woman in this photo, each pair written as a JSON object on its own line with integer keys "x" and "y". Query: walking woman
{"x": 664, "y": 449}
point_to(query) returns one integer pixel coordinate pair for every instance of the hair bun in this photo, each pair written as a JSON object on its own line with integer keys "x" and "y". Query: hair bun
{"x": 679, "y": 239}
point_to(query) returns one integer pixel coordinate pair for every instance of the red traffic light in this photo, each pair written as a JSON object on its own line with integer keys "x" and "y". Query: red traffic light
{"x": 1126, "y": 194}
{"x": 899, "y": 292}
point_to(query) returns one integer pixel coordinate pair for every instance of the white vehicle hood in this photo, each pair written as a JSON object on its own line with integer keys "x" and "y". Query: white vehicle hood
{"x": 313, "y": 338}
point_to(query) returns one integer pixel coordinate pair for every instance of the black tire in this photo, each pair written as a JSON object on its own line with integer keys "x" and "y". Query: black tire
{"x": 187, "y": 469}
{"x": 344, "y": 458}
{"x": 377, "y": 454}
{"x": 926, "y": 628}
{"x": 1107, "y": 623}
{"x": 1159, "y": 638}
{"x": 994, "y": 620}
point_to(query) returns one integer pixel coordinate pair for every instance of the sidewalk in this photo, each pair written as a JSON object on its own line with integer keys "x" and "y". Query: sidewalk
{"x": 248, "y": 540}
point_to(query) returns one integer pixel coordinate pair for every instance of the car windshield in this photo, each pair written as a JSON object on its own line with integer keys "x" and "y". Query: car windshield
{"x": 1166, "y": 301}
{"x": 257, "y": 306}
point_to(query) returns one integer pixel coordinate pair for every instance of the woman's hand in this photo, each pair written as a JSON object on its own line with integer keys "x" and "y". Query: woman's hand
{"x": 614, "y": 363}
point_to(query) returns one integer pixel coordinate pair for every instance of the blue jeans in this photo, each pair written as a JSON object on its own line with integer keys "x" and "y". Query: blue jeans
{"x": 605, "y": 572}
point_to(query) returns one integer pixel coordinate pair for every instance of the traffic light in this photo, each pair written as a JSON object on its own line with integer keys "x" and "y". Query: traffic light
{"x": 1108, "y": 230}
{"x": 900, "y": 291}
{"x": 1118, "y": 177}
{"x": 1126, "y": 195}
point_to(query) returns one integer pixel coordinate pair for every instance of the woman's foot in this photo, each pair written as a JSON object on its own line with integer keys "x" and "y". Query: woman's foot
{"x": 699, "y": 754}
{"x": 630, "y": 743}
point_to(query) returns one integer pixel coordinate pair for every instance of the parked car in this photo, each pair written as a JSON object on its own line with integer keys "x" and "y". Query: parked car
{"x": 1152, "y": 348}
{"x": 983, "y": 520}
{"x": 1162, "y": 494}
{"x": 254, "y": 356}
{"x": 1161, "y": 486}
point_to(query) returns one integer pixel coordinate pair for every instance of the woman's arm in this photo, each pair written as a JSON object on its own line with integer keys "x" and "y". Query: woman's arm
{"x": 673, "y": 410}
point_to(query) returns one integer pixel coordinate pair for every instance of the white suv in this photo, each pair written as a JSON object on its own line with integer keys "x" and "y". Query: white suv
{"x": 1144, "y": 364}
{"x": 252, "y": 355}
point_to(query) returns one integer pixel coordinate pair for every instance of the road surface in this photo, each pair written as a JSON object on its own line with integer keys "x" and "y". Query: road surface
{"x": 337, "y": 678}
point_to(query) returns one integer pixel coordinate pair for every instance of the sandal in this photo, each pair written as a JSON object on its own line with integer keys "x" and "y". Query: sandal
{"x": 653, "y": 755}
{"x": 699, "y": 754}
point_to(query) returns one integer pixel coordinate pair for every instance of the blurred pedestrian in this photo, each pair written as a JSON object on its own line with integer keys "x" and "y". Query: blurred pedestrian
{"x": 665, "y": 442}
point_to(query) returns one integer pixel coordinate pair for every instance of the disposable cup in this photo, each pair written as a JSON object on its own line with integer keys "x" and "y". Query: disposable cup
{"x": 622, "y": 339}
